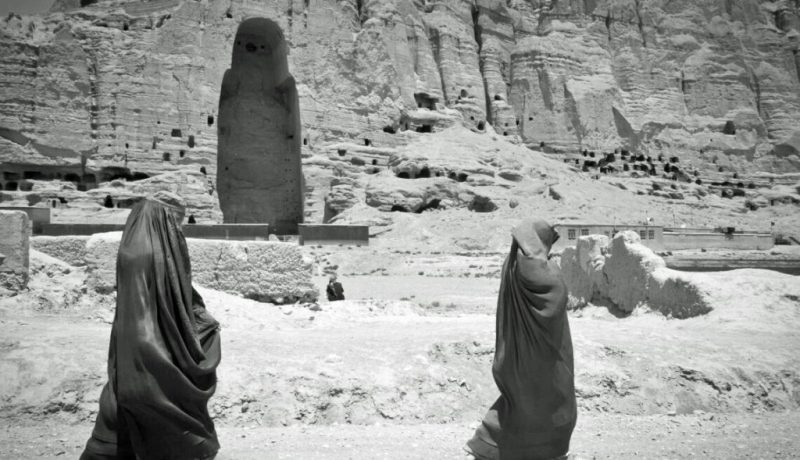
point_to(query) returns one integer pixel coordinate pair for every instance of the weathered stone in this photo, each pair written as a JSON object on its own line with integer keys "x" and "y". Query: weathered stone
{"x": 582, "y": 268}
{"x": 626, "y": 275}
{"x": 262, "y": 270}
{"x": 15, "y": 248}
{"x": 70, "y": 249}
{"x": 393, "y": 194}
{"x": 340, "y": 198}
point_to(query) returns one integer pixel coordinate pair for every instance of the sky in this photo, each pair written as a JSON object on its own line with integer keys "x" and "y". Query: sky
{"x": 24, "y": 6}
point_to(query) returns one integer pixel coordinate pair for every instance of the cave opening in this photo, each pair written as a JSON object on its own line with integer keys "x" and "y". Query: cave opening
{"x": 258, "y": 160}
{"x": 729, "y": 128}
{"x": 425, "y": 129}
{"x": 432, "y": 204}
{"x": 424, "y": 101}
{"x": 482, "y": 204}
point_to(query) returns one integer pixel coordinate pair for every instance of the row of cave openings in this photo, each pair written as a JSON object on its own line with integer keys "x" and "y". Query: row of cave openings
{"x": 20, "y": 177}
{"x": 647, "y": 165}
{"x": 423, "y": 173}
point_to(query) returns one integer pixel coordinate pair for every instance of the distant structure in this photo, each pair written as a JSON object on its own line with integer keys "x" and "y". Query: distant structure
{"x": 652, "y": 236}
{"x": 660, "y": 238}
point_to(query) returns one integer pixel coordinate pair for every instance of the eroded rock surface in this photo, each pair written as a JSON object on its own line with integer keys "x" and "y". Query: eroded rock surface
{"x": 624, "y": 274}
{"x": 260, "y": 270}
{"x": 132, "y": 89}
{"x": 14, "y": 250}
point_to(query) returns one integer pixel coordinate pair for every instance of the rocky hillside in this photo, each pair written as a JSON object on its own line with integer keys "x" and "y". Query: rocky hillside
{"x": 102, "y": 90}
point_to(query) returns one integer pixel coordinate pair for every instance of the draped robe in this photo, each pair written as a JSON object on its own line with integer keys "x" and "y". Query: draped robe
{"x": 163, "y": 352}
{"x": 533, "y": 366}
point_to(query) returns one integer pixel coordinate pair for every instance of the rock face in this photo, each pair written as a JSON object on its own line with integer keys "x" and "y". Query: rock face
{"x": 132, "y": 89}
{"x": 14, "y": 250}
{"x": 625, "y": 274}
{"x": 259, "y": 270}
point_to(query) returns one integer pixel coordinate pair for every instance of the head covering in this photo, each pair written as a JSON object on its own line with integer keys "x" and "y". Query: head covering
{"x": 171, "y": 201}
{"x": 535, "y": 237}
{"x": 533, "y": 368}
{"x": 164, "y": 349}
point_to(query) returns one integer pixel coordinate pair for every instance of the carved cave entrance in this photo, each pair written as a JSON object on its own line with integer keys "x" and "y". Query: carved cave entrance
{"x": 259, "y": 179}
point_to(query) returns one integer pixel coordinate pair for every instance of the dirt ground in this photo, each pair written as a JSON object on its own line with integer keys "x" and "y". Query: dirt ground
{"x": 402, "y": 369}
{"x": 597, "y": 436}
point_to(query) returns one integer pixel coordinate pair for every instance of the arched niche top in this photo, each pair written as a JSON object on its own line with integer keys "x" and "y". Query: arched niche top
{"x": 260, "y": 43}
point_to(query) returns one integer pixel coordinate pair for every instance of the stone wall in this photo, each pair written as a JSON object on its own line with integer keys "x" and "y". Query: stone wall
{"x": 14, "y": 250}
{"x": 261, "y": 270}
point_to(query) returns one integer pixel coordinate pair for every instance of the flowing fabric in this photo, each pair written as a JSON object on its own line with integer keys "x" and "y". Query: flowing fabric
{"x": 163, "y": 354}
{"x": 533, "y": 367}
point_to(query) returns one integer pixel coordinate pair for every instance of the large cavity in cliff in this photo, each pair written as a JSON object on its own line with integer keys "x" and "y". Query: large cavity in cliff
{"x": 258, "y": 160}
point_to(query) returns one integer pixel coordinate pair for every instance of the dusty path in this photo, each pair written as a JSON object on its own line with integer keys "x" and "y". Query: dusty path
{"x": 386, "y": 378}
{"x": 599, "y": 436}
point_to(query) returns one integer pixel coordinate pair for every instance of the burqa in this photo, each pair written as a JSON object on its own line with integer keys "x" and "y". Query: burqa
{"x": 163, "y": 354}
{"x": 533, "y": 367}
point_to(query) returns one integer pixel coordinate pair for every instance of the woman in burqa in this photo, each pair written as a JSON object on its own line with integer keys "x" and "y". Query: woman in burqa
{"x": 164, "y": 349}
{"x": 536, "y": 412}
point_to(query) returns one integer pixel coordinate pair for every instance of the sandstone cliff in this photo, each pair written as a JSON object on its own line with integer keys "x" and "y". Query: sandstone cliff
{"x": 100, "y": 90}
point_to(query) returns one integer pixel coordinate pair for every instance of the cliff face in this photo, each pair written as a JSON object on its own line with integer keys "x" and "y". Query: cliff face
{"x": 133, "y": 84}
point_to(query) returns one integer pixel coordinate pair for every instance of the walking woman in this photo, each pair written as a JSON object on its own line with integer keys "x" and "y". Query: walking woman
{"x": 536, "y": 412}
{"x": 164, "y": 348}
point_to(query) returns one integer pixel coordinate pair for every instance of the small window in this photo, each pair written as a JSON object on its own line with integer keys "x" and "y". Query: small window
{"x": 571, "y": 234}
{"x": 641, "y": 234}
{"x": 584, "y": 232}
{"x": 651, "y": 234}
